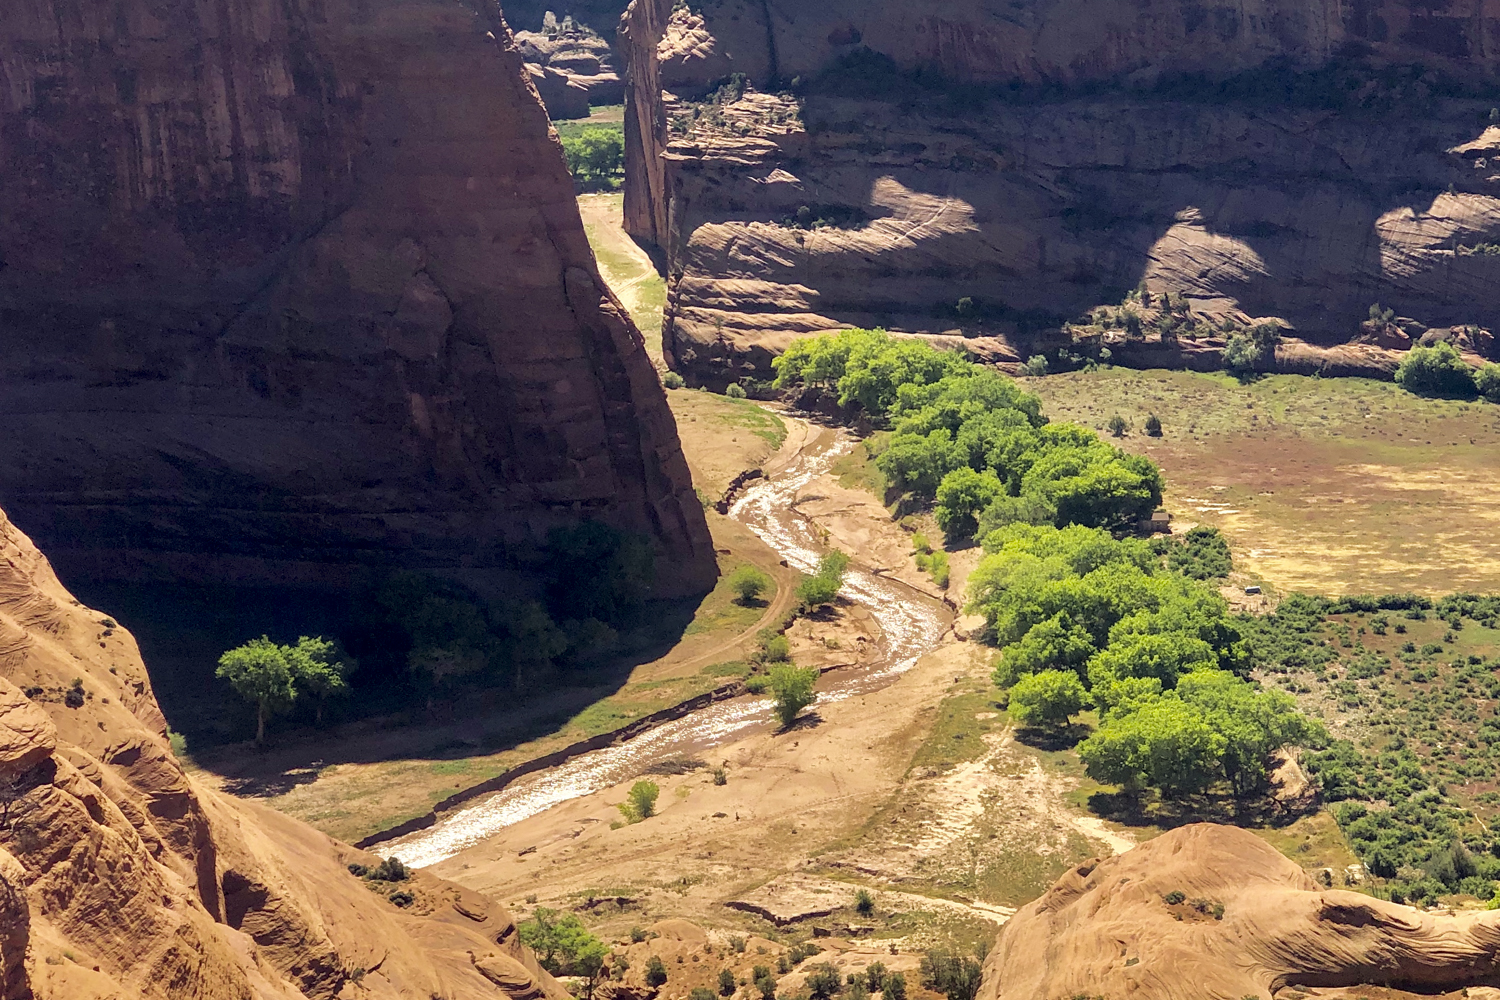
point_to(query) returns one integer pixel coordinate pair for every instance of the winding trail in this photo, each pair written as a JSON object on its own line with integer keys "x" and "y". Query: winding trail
{"x": 911, "y": 625}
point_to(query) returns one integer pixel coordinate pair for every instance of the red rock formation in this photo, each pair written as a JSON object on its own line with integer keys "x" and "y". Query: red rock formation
{"x": 1042, "y": 210}
{"x": 1250, "y": 923}
{"x": 122, "y": 876}
{"x": 292, "y": 287}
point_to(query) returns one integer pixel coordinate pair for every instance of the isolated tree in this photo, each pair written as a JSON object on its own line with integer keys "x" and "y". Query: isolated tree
{"x": 260, "y": 672}
{"x": 824, "y": 585}
{"x": 1048, "y": 698}
{"x": 1118, "y": 425}
{"x": 727, "y": 983}
{"x": 317, "y": 670}
{"x": 564, "y": 946}
{"x": 656, "y": 972}
{"x": 792, "y": 688}
{"x": 640, "y": 801}
{"x": 1153, "y": 425}
{"x": 748, "y": 583}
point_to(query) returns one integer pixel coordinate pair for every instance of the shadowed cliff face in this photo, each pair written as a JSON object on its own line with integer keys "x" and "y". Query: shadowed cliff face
{"x": 1045, "y": 206}
{"x": 292, "y": 287}
{"x": 122, "y": 876}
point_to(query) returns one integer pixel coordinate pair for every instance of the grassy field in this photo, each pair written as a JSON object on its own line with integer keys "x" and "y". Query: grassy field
{"x": 610, "y": 117}
{"x": 1330, "y": 486}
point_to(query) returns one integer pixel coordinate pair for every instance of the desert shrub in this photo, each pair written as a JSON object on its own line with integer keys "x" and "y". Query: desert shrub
{"x": 824, "y": 982}
{"x": 402, "y": 898}
{"x": 727, "y": 983}
{"x": 637, "y": 935}
{"x": 748, "y": 583}
{"x": 640, "y": 801}
{"x": 672, "y": 380}
{"x": 1036, "y": 365}
{"x": 721, "y": 778}
{"x": 1118, "y": 425}
{"x": 895, "y": 987}
{"x": 390, "y": 870}
{"x": 1244, "y": 350}
{"x": 656, "y": 972}
{"x": 864, "y": 903}
{"x": 1153, "y": 425}
{"x": 875, "y": 976}
{"x": 757, "y": 684}
{"x": 1436, "y": 371}
{"x": 792, "y": 687}
{"x": 1048, "y": 698}
{"x": 1175, "y": 897}
{"x": 734, "y": 391}
{"x": 1203, "y": 554}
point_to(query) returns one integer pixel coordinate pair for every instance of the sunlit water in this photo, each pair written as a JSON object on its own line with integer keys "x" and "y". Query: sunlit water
{"x": 911, "y": 625}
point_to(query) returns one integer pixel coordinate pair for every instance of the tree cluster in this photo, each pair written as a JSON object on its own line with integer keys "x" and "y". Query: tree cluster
{"x": 596, "y": 156}
{"x": 971, "y": 440}
{"x": 1441, "y": 371}
{"x": 274, "y": 677}
{"x": 564, "y": 946}
{"x": 1083, "y": 618}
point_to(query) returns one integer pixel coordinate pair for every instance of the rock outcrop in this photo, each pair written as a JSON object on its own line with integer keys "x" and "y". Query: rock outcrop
{"x": 580, "y": 61}
{"x": 871, "y": 200}
{"x": 121, "y": 876}
{"x": 1249, "y": 923}
{"x": 292, "y": 288}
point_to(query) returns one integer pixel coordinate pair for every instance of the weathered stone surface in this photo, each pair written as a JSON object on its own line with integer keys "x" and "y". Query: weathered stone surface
{"x": 582, "y": 59}
{"x": 292, "y": 288}
{"x": 1047, "y": 209}
{"x": 122, "y": 877}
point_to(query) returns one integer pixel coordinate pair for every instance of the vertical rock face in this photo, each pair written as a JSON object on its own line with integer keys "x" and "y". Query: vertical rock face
{"x": 122, "y": 877}
{"x": 875, "y": 200}
{"x": 292, "y": 287}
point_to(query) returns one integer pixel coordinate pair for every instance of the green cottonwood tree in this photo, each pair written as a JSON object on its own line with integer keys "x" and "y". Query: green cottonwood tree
{"x": 259, "y": 672}
{"x": 1048, "y": 698}
{"x": 318, "y": 670}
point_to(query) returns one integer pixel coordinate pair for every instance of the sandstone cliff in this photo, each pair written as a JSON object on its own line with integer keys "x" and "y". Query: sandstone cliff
{"x": 288, "y": 288}
{"x": 884, "y": 204}
{"x": 1249, "y": 923}
{"x": 123, "y": 877}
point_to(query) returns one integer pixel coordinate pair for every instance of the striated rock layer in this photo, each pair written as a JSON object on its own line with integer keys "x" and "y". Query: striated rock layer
{"x": 288, "y": 288}
{"x": 1039, "y": 210}
{"x": 123, "y": 877}
{"x": 1107, "y": 930}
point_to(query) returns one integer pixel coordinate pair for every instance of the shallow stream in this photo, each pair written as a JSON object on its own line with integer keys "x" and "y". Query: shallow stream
{"x": 911, "y": 625}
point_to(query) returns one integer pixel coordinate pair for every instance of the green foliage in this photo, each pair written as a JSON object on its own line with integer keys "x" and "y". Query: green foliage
{"x": 935, "y": 563}
{"x": 563, "y": 945}
{"x": 864, "y": 903}
{"x": 672, "y": 380}
{"x": 1436, "y": 371}
{"x": 1153, "y": 425}
{"x": 824, "y": 982}
{"x": 875, "y": 976}
{"x": 734, "y": 391}
{"x": 1118, "y": 425}
{"x": 259, "y": 672}
{"x": 1035, "y": 366}
{"x": 701, "y": 993}
{"x": 895, "y": 987}
{"x": 656, "y": 972}
{"x": 748, "y": 583}
{"x": 727, "y": 983}
{"x": 824, "y": 585}
{"x": 1487, "y": 382}
{"x": 392, "y": 869}
{"x": 640, "y": 801}
{"x": 1202, "y": 554}
{"x": 596, "y": 155}
{"x": 792, "y": 688}
{"x": 955, "y": 976}
{"x": 961, "y": 496}
{"x": 757, "y": 684}
{"x": 274, "y": 676}
{"x": 1244, "y": 350}
{"x": 597, "y": 572}
{"x": 1048, "y": 698}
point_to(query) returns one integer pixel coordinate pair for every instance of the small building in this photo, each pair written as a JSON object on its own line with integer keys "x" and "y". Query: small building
{"x": 1252, "y": 590}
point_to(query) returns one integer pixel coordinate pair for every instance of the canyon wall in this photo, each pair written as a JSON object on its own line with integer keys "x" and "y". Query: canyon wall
{"x": 874, "y": 200}
{"x": 288, "y": 289}
{"x": 122, "y": 876}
